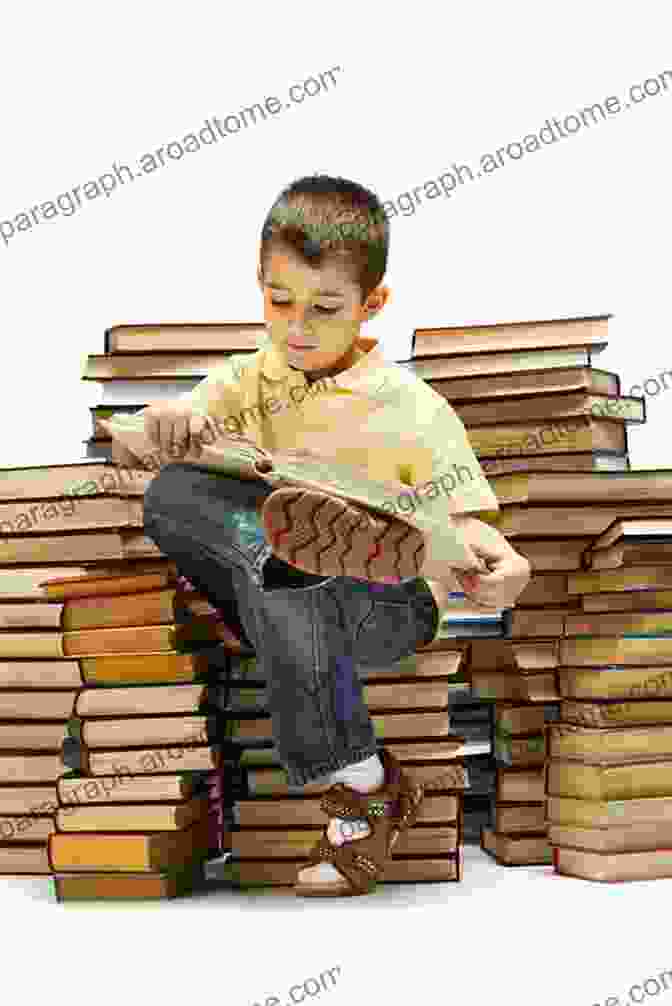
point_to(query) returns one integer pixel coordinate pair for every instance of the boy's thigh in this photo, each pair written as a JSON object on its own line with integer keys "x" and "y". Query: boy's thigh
{"x": 388, "y": 622}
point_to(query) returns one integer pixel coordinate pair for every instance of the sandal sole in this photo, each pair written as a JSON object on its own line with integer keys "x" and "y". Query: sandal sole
{"x": 327, "y": 536}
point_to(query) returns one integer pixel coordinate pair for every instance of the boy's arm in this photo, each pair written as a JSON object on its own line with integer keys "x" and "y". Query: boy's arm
{"x": 463, "y": 495}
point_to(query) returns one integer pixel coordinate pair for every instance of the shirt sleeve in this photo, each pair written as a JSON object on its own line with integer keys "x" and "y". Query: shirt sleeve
{"x": 456, "y": 477}
{"x": 219, "y": 394}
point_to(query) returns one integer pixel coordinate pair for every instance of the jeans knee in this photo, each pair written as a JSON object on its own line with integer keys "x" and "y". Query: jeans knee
{"x": 163, "y": 491}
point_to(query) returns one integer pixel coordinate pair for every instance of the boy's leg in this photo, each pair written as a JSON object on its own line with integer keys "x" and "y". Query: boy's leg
{"x": 309, "y": 632}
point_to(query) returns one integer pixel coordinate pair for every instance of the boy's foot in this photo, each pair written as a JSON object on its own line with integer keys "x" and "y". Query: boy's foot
{"x": 328, "y": 536}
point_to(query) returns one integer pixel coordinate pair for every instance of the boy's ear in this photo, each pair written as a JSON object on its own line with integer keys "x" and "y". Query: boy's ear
{"x": 260, "y": 278}
{"x": 376, "y": 301}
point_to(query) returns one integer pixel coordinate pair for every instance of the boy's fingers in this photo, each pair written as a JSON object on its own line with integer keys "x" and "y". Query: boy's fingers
{"x": 166, "y": 432}
{"x": 152, "y": 428}
{"x": 180, "y": 432}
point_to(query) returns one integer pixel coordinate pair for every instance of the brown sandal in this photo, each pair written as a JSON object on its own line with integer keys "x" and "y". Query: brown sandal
{"x": 388, "y": 811}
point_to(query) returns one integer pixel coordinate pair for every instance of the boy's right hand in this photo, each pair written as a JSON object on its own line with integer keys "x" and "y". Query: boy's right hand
{"x": 177, "y": 427}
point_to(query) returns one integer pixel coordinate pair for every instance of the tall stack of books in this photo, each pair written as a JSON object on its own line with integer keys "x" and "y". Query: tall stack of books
{"x": 276, "y": 825}
{"x": 80, "y": 609}
{"x": 609, "y": 778}
{"x": 47, "y": 532}
{"x": 150, "y": 363}
{"x": 529, "y": 391}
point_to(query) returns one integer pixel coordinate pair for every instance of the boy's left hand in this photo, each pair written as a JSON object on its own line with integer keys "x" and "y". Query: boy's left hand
{"x": 500, "y": 588}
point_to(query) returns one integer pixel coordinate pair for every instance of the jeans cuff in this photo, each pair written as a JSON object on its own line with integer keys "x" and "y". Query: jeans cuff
{"x": 301, "y": 775}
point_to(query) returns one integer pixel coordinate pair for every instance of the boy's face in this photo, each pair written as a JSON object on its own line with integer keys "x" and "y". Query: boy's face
{"x": 314, "y": 314}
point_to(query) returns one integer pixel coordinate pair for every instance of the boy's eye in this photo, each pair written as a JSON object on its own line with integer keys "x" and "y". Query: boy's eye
{"x": 318, "y": 307}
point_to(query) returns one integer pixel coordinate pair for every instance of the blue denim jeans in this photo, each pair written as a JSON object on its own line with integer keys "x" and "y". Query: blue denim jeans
{"x": 311, "y": 634}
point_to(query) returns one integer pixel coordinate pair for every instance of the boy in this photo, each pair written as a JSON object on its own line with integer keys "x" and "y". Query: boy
{"x": 315, "y": 584}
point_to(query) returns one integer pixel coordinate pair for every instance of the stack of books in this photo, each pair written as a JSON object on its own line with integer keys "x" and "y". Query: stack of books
{"x": 48, "y": 532}
{"x": 550, "y": 431}
{"x": 609, "y": 777}
{"x": 276, "y": 825}
{"x": 81, "y": 608}
{"x": 150, "y": 363}
{"x": 135, "y": 816}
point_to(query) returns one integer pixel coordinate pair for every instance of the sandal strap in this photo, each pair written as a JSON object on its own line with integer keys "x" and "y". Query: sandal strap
{"x": 341, "y": 801}
{"x": 357, "y": 866}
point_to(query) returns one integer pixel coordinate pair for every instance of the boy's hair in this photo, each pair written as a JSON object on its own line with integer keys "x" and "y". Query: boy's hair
{"x": 324, "y": 217}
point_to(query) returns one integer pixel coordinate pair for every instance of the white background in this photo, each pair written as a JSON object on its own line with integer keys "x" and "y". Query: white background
{"x": 579, "y": 227}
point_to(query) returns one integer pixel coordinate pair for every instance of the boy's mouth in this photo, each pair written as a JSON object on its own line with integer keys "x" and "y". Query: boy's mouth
{"x": 296, "y": 345}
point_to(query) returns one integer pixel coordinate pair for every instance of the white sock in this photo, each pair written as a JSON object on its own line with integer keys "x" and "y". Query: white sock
{"x": 363, "y": 777}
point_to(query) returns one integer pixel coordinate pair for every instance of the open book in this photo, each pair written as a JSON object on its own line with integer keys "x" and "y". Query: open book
{"x": 235, "y": 455}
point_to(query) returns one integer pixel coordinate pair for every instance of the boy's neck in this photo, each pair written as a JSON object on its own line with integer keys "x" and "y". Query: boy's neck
{"x": 353, "y": 356}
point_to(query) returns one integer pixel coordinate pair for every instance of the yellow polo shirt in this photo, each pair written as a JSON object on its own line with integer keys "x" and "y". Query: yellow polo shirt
{"x": 377, "y": 414}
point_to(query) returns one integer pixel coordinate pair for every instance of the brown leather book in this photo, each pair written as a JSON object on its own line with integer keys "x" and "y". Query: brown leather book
{"x": 591, "y": 779}
{"x": 305, "y": 812}
{"x": 152, "y": 366}
{"x": 615, "y": 650}
{"x": 520, "y": 785}
{"x": 576, "y": 520}
{"x": 28, "y": 800}
{"x": 185, "y": 337}
{"x": 283, "y": 873}
{"x": 616, "y": 714}
{"x": 639, "y": 837}
{"x": 34, "y": 705}
{"x": 51, "y": 482}
{"x": 517, "y": 850}
{"x": 140, "y": 701}
{"x": 515, "y": 687}
{"x": 619, "y": 623}
{"x": 140, "y": 886}
{"x": 513, "y": 655}
{"x": 547, "y": 408}
{"x": 572, "y": 461}
{"x": 133, "y": 817}
{"x": 136, "y": 761}
{"x": 608, "y": 866}
{"x": 582, "y": 433}
{"x": 652, "y": 600}
{"x": 24, "y": 830}
{"x": 615, "y": 682}
{"x": 627, "y": 534}
{"x": 135, "y": 730}
{"x": 439, "y": 664}
{"x": 146, "y": 608}
{"x": 150, "y": 668}
{"x": 654, "y": 486}
{"x": 75, "y": 514}
{"x": 31, "y": 768}
{"x": 282, "y": 844}
{"x": 25, "y": 860}
{"x": 630, "y": 578}
{"x": 517, "y": 819}
{"x": 91, "y": 642}
{"x": 37, "y": 736}
{"x": 132, "y": 853}
{"x": 571, "y": 812}
{"x": 123, "y": 788}
{"x": 24, "y": 583}
{"x": 548, "y": 333}
{"x": 76, "y": 547}
{"x": 532, "y": 382}
{"x": 64, "y": 586}
{"x": 614, "y": 745}
{"x": 528, "y": 622}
